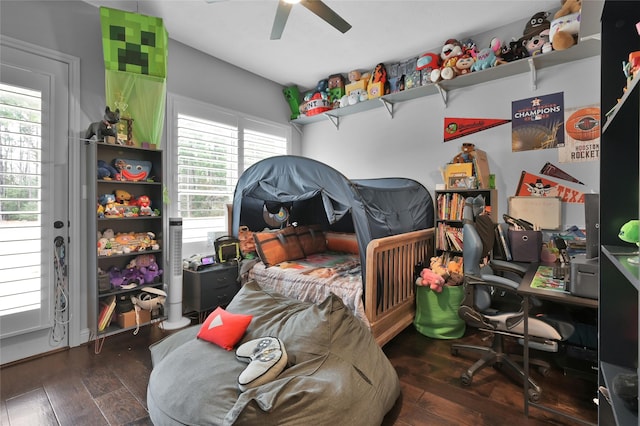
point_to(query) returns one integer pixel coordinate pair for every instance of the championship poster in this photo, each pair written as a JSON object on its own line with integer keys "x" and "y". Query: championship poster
{"x": 537, "y": 123}
{"x": 582, "y": 135}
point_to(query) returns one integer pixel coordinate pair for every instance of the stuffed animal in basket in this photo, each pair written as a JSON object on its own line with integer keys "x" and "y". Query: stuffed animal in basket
{"x": 106, "y": 127}
{"x": 565, "y": 26}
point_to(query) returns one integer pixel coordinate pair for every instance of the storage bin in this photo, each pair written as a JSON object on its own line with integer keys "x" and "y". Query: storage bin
{"x": 437, "y": 313}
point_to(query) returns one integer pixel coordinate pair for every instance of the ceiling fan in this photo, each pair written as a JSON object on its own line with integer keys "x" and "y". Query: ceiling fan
{"x": 315, "y": 6}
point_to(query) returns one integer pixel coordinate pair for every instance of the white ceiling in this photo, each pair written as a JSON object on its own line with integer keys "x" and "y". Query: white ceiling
{"x": 237, "y": 31}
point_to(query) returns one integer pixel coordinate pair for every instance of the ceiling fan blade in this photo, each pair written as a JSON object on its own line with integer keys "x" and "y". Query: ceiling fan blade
{"x": 326, "y": 13}
{"x": 282, "y": 13}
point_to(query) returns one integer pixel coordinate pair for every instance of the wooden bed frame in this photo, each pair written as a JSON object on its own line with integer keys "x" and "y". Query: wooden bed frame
{"x": 390, "y": 287}
{"x": 390, "y": 268}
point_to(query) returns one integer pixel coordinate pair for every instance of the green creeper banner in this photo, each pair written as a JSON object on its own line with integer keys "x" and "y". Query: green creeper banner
{"x": 135, "y": 58}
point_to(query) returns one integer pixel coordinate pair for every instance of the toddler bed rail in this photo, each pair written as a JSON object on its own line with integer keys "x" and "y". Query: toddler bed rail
{"x": 390, "y": 285}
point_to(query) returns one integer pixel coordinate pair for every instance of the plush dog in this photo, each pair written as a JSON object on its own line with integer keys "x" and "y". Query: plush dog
{"x": 106, "y": 127}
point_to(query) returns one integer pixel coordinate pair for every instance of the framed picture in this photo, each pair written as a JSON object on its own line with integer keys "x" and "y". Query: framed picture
{"x": 456, "y": 175}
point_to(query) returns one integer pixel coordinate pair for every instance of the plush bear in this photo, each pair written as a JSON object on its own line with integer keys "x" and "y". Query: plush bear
{"x": 566, "y": 24}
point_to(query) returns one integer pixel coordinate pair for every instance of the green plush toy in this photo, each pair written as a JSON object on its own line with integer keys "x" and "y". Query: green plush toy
{"x": 629, "y": 234}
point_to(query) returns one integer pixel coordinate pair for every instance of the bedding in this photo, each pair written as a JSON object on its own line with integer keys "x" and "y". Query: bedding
{"x": 315, "y": 277}
{"x": 336, "y": 374}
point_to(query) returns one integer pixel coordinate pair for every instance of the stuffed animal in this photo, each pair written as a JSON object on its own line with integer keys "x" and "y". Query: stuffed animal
{"x": 115, "y": 277}
{"x": 106, "y": 127}
{"x": 466, "y": 154}
{"x": 378, "y": 84}
{"x": 292, "y": 96}
{"x": 489, "y": 56}
{"x": 565, "y": 26}
{"x": 538, "y": 44}
{"x": 151, "y": 273}
{"x": 429, "y": 278}
{"x": 122, "y": 197}
{"x": 109, "y": 203}
{"x": 336, "y": 89}
{"x": 450, "y": 53}
{"x": 426, "y": 63}
{"x": 106, "y": 171}
{"x": 144, "y": 203}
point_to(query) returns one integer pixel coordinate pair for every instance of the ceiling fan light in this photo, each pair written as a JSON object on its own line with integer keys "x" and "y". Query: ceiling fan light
{"x": 292, "y": 1}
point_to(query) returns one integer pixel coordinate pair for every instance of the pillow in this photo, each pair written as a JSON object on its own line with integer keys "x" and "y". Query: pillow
{"x": 311, "y": 239}
{"x": 277, "y": 246}
{"x": 341, "y": 241}
{"x": 224, "y": 328}
{"x": 266, "y": 357}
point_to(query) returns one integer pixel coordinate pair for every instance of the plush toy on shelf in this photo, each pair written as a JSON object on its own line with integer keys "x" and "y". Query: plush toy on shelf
{"x": 336, "y": 89}
{"x": 450, "y": 53}
{"x": 378, "y": 84}
{"x": 488, "y": 57}
{"x": 106, "y": 171}
{"x": 427, "y": 62}
{"x": 292, "y": 96}
{"x": 565, "y": 26}
{"x": 108, "y": 201}
{"x": 536, "y": 34}
{"x": 123, "y": 197}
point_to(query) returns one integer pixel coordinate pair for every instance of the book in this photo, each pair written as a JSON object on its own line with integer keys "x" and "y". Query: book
{"x": 504, "y": 243}
{"x": 543, "y": 279}
{"x": 106, "y": 312}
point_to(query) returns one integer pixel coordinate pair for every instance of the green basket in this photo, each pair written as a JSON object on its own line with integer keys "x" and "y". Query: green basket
{"x": 437, "y": 313}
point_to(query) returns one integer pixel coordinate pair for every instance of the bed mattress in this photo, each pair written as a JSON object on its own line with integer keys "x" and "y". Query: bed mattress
{"x": 315, "y": 277}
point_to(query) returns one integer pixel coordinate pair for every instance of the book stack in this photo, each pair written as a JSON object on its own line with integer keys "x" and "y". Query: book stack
{"x": 449, "y": 238}
{"x": 450, "y": 206}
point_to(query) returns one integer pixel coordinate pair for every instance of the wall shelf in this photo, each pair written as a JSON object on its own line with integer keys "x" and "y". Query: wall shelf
{"x": 587, "y": 48}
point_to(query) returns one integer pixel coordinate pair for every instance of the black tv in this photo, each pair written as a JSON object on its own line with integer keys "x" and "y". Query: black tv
{"x": 592, "y": 224}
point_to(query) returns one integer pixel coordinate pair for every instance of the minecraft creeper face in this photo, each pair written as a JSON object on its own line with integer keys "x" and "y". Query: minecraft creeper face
{"x": 133, "y": 43}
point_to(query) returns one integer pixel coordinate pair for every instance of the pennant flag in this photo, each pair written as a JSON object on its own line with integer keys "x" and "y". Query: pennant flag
{"x": 553, "y": 171}
{"x": 457, "y": 127}
{"x": 536, "y": 186}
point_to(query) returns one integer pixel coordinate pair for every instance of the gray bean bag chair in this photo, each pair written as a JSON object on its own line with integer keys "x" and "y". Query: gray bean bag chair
{"x": 336, "y": 372}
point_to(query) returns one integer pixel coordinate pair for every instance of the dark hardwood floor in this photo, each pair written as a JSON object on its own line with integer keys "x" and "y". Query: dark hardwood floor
{"x": 79, "y": 387}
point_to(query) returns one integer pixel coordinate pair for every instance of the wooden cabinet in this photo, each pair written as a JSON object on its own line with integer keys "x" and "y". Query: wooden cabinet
{"x": 449, "y": 205}
{"x": 618, "y": 319}
{"x": 126, "y": 231}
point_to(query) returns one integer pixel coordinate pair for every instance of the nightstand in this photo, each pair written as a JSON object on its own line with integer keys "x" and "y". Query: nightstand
{"x": 209, "y": 288}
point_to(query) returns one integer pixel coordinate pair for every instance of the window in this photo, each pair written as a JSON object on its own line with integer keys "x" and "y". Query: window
{"x": 213, "y": 148}
{"x": 20, "y": 199}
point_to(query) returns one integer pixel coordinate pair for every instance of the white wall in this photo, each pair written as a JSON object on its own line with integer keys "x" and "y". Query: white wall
{"x": 372, "y": 144}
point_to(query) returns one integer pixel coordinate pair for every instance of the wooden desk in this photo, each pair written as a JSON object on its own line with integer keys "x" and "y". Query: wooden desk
{"x": 566, "y": 298}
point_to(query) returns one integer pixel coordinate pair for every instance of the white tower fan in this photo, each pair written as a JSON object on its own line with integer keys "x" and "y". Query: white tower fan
{"x": 175, "y": 320}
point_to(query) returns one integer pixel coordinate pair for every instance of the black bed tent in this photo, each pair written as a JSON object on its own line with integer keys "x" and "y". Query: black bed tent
{"x": 316, "y": 193}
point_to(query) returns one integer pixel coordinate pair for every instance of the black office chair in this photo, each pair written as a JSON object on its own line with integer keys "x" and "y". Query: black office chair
{"x": 491, "y": 304}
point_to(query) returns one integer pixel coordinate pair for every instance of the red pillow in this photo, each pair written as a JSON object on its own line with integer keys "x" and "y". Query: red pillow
{"x": 224, "y": 328}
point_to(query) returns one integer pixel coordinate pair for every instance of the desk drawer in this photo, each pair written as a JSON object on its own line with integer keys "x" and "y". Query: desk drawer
{"x": 207, "y": 289}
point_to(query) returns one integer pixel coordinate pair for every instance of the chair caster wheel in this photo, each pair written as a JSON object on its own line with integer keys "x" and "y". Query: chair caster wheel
{"x": 466, "y": 379}
{"x": 544, "y": 371}
{"x": 534, "y": 396}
